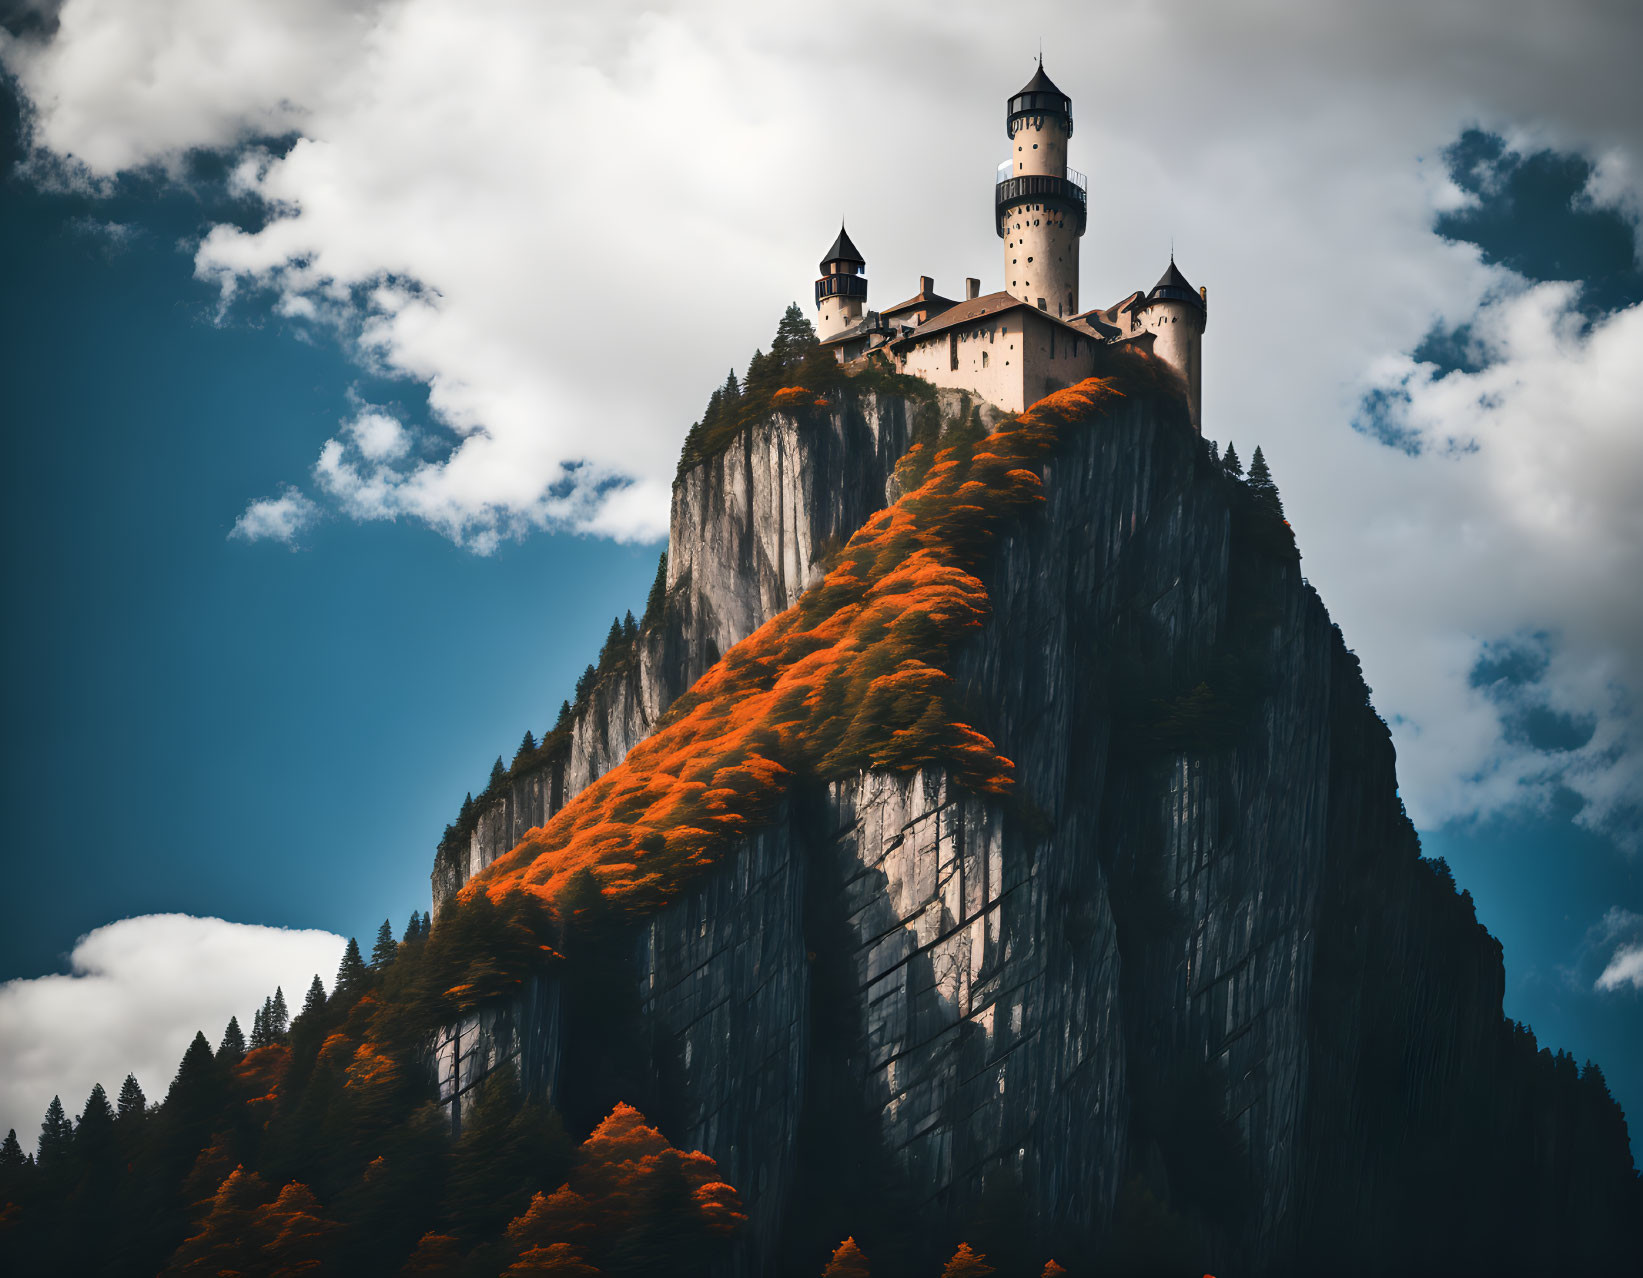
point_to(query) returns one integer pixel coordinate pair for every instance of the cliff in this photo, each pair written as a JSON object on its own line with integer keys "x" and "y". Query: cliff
{"x": 1188, "y": 991}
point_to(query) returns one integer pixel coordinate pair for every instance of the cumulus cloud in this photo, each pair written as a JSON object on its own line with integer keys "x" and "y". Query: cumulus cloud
{"x": 136, "y": 993}
{"x": 565, "y": 221}
{"x": 276, "y": 518}
{"x": 1616, "y": 941}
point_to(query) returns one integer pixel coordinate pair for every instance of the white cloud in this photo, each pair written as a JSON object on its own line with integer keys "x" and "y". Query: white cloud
{"x": 567, "y": 221}
{"x": 136, "y": 993}
{"x": 1621, "y": 933}
{"x": 276, "y": 518}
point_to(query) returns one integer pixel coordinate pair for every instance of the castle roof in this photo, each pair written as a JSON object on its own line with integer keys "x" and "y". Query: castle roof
{"x": 1039, "y": 97}
{"x": 924, "y": 299}
{"x": 1172, "y": 286}
{"x": 1041, "y": 83}
{"x": 843, "y": 250}
{"x": 979, "y": 308}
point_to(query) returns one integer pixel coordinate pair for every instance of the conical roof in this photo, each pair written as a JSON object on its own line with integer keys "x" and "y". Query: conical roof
{"x": 1173, "y": 286}
{"x": 1040, "y": 83}
{"x": 843, "y": 250}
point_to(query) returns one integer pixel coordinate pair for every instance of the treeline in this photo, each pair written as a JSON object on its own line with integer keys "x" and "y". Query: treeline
{"x": 318, "y": 1146}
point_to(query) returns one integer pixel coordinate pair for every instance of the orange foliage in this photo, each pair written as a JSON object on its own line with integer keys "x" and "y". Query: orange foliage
{"x": 849, "y": 678}
{"x": 967, "y": 1264}
{"x": 620, "y": 1182}
{"x": 1053, "y": 1270}
{"x": 789, "y": 397}
{"x": 847, "y": 1262}
{"x": 436, "y": 1256}
{"x": 243, "y": 1232}
{"x": 259, "y": 1074}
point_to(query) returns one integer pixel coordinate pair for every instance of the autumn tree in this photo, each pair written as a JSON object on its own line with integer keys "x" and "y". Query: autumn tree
{"x": 967, "y": 1264}
{"x": 847, "y": 1262}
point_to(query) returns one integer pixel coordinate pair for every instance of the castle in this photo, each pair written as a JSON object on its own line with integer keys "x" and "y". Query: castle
{"x": 1015, "y": 346}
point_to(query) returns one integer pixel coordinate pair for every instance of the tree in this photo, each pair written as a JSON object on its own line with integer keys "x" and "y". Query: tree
{"x": 499, "y": 777}
{"x": 351, "y": 972}
{"x": 132, "y": 1102}
{"x": 1231, "y": 463}
{"x": 279, "y": 1017}
{"x": 656, "y": 601}
{"x": 12, "y": 1157}
{"x": 847, "y": 1262}
{"x": 314, "y": 1003}
{"x": 584, "y": 684}
{"x": 967, "y": 1264}
{"x": 795, "y": 338}
{"x": 97, "y": 1118}
{"x": 232, "y": 1048}
{"x": 259, "y": 1026}
{"x": 563, "y": 721}
{"x": 630, "y": 629}
{"x": 615, "y": 647}
{"x": 1262, "y": 486}
{"x": 413, "y": 929}
{"x": 56, "y": 1135}
{"x": 386, "y": 948}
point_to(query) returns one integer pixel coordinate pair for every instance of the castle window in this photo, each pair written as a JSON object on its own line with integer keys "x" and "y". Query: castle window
{"x": 984, "y": 359}
{"x": 1029, "y": 259}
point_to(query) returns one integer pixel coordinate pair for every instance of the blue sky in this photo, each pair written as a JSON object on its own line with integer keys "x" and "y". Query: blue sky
{"x": 348, "y": 267}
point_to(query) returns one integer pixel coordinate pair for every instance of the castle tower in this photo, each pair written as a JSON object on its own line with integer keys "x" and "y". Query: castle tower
{"x": 1177, "y": 316}
{"x": 841, "y": 292}
{"x": 1041, "y": 204}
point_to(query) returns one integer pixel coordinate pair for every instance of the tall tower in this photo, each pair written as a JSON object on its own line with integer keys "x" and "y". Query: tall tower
{"x": 1177, "y": 317}
{"x": 1042, "y": 205}
{"x": 841, "y": 292}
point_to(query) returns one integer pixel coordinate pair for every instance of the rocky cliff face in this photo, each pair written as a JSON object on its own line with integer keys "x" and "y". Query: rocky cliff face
{"x": 1191, "y": 983}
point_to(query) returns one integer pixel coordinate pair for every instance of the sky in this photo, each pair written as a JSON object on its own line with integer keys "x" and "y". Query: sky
{"x": 349, "y": 347}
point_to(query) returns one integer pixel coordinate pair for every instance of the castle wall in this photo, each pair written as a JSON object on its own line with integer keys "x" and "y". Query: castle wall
{"x": 1178, "y": 328}
{"x": 1011, "y": 360}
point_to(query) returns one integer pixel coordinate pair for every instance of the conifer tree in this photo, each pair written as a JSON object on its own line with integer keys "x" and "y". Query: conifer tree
{"x": 499, "y": 777}
{"x": 1230, "y": 462}
{"x": 527, "y": 746}
{"x": 847, "y": 1262}
{"x": 656, "y": 601}
{"x": 132, "y": 1102}
{"x": 351, "y": 972}
{"x": 259, "y": 1027}
{"x": 611, "y": 653}
{"x": 413, "y": 928}
{"x": 1262, "y": 486}
{"x": 232, "y": 1048}
{"x": 967, "y": 1264}
{"x": 563, "y": 721}
{"x": 795, "y": 337}
{"x": 314, "y": 1003}
{"x": 386, "y": 949}
{"x": 464, "y": 818}
{"x": 12, "y": 1158}
{"x": 97, "y": 1118}
{"x": 630, "y": 628}
{"x": 279, "y": 1017}
{"x": 584, "y": 685}
{"x": 56, "y": 1135}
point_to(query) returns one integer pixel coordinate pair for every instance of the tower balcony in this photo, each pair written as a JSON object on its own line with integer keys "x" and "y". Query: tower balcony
{"x": 1070, "y": 192}
{"x": 843, "y": 285}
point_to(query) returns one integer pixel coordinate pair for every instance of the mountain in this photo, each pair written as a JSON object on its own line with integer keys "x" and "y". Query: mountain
{"x": 1146, "y": 967}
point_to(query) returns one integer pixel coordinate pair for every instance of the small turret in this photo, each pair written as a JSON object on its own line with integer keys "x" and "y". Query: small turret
{"x": 841, "y": 292}
{"x": 1176, "y": 315}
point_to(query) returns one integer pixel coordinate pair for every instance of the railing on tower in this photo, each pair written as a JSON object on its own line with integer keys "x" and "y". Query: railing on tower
{"x": 1070, "y": 192}
{"x": 840, "y": 286}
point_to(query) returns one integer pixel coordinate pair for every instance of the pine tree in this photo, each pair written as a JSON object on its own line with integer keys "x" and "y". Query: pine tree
{"x": 630, "y": 629}
{"x": 465, "y": 817}
{"x": 1230, "y": 462}
{"x": 259, "y": 1026}
{"x": 232, "y": 1048}
{"x": 795, "y": 337}
{"x": 563, "y": 721}
{"x": 527, "y": 747}
{"x": 12, "y": 1158}
{"x": 351, "y": 972}
{"x": 314, "y": 1003}
{"x": 499, "y": 777}
{"x": 386, "y": 950}
{"x": 1262, "y": 486}
{"x": 132, "y": 1102}
{"x": 847, "y": 1262}
{"x": 279, "y": 1017}
{"x": 413, "y": 928}
{"x": 613, "y": 650}
{"x": 97, "y": 1118}
{"x": 967, "y": 1264}
{"x": 56, "y": 1135}
{"x": 656, "y": 601}
{"x": 584, "y": 685}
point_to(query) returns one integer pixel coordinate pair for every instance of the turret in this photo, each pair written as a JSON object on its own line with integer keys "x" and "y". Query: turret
{"x": 1041, "y": 205}
{"x": 1176, "y": 315}
{"x": 841, "y": 292}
